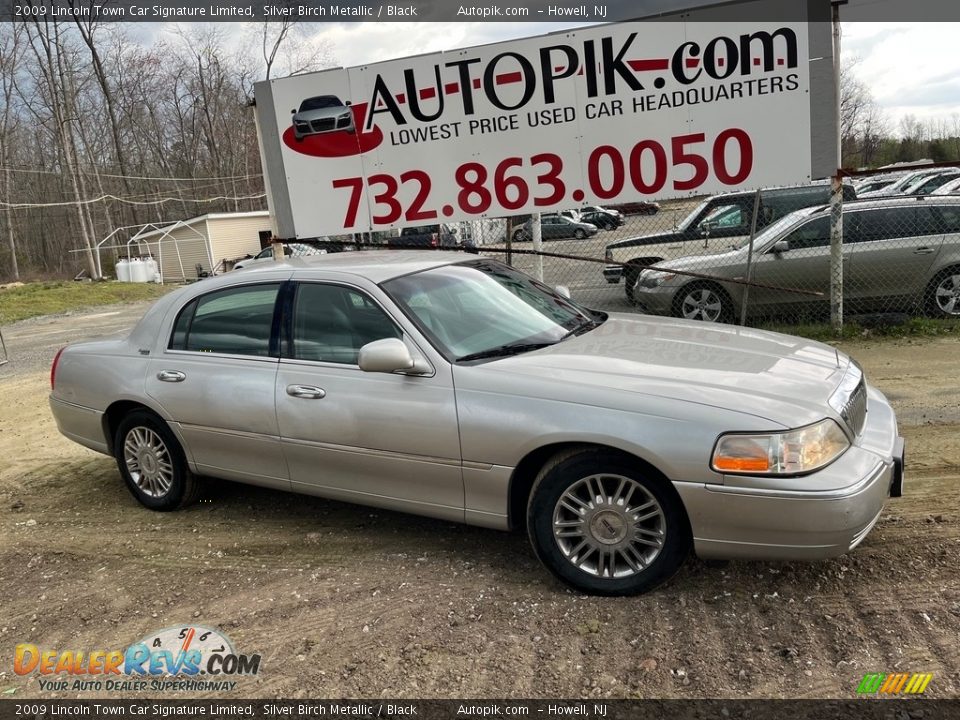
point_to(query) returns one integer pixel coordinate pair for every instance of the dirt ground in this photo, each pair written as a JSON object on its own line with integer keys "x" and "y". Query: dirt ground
{"x": 342, "y": 601}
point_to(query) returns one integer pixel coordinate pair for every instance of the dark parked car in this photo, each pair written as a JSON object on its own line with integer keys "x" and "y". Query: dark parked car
{"x": 322, "y": 114}
{"x": 602, "y": 219}
{"x": 425, "y": 236}
{"x": 555, "y": 227}
{"x": 640, "y": 207}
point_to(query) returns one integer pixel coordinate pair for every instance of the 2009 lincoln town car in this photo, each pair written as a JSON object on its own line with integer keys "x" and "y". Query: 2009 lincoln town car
{"x": 457, "y": 387}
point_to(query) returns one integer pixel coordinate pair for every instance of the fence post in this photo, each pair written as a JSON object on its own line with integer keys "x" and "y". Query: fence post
{"x": 536, "y": 236}
{"x": 836, "y": 195}
{"x": 753, "y": 234}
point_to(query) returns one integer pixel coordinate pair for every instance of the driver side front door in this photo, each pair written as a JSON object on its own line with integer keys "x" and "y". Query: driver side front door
{"x": 384, "y": 439}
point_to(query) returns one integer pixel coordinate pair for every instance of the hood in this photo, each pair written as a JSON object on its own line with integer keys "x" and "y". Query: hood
{"x": 717, "y": 259}
{"x": 654, "y": 239}
{"x": 781, "y": 378}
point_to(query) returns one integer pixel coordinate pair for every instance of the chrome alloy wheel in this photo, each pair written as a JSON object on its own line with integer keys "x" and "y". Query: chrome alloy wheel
{"x": 148, "y": 461}
{"x": 702, "y": 304}
{"x": 947, "y": 295}
{"x": 609, "y": 526}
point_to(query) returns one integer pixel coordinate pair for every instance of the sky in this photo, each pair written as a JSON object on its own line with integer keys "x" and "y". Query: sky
{"x": 911, "y": 68}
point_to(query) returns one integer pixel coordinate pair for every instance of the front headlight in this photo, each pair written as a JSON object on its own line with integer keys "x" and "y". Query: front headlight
{"x": 788, "y": 453}
{"x": 654, "y": 278}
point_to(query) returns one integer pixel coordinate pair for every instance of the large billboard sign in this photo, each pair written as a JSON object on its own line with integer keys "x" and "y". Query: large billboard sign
{"x": 606, "y": 114}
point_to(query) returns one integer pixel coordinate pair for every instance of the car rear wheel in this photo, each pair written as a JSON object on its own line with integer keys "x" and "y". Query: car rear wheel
{"x": 152, "y": 463}
{"x": 605, "y": 525}
{"x": 944, "y": 293}
{"x": 703, "y": 301}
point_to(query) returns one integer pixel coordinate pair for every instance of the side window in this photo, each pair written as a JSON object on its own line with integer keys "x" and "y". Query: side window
{"x": 889, "y": 223}
{"x": 331, "y": 323}
{"x": 181, "y": 328}
{"x": 726, "y": 219}
{"x": 815, "y": 233}
{"x": 236, "y": 321}
{"x": 950, "y": 218}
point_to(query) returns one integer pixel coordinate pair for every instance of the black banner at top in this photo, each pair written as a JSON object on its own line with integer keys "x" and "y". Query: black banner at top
{"x": 539, "y": 11}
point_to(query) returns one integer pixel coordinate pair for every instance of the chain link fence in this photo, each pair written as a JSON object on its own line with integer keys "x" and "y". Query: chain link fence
{"x": 694, "y": 257}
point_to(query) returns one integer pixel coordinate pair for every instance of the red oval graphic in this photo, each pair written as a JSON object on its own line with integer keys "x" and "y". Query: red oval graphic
{"x": 338, "y": 143}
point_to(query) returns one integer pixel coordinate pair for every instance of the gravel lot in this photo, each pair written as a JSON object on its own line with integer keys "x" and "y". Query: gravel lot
{"x": 342, "y": 601}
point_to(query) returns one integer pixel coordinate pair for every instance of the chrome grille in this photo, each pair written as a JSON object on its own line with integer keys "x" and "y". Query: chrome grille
{"x": 854, "y": 412}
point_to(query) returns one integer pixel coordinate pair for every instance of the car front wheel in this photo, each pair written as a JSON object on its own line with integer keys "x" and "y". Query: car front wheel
{"x": 152, "y": 463}
{"x": 605, "y": 525}
{"x": 579, "y": 234}
{"x": 703, "y": 301}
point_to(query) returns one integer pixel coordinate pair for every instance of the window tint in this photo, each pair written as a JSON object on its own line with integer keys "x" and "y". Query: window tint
{"x": 331, "y": 323}
{"x": 950, "y": 217}
{"x": 727, "y": 217}
{"x": 237, "y": 321}
{"x": 815, "y": 233}
{"x": 890, "y": 223}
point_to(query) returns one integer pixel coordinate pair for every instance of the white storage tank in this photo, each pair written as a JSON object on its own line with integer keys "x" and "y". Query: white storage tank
{"x": 138, "y": 271}
{"x": 123, "y": 270}
{"x": 153, "y": 270}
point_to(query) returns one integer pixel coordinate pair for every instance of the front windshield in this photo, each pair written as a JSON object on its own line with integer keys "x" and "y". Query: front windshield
{"x": 477, "y": 307}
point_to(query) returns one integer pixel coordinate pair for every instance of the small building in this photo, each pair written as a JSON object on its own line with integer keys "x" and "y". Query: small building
{"x": 204, "y": 244}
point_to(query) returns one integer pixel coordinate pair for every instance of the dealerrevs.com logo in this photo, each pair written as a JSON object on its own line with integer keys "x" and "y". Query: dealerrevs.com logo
{"x": 183, "y": 658}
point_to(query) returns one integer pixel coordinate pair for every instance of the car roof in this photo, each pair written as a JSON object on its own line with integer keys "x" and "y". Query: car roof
{"x": 375, "y": 265}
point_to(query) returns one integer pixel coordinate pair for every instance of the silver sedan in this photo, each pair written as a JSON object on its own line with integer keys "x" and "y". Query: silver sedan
{"x": 456, "y": 387}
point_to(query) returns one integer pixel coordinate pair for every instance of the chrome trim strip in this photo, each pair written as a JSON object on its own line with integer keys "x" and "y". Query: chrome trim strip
{"x": 452, "y": 462}
{"x": 67, "y": 403}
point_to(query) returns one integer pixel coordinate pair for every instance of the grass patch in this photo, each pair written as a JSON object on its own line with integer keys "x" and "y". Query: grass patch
{"x": 873, "y": 328}
{"x": 53, "y": 298}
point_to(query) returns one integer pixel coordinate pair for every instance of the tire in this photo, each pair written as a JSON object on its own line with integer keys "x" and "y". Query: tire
{"x": 605, "y": 525}
{"x": 579, "y": 234}
{"x": 520, "y": 236}
{"x": 153, "y": 464}
{"x": 943, "y": 293}
{"x": 703, "y": 301}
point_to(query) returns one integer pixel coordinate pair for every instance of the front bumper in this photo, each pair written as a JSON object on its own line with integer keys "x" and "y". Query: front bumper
{"x": 822, "y": 515}
{"x": 657, "y": 300}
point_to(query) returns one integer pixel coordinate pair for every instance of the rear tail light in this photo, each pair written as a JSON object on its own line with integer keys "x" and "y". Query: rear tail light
{"x": 434, "y": 240}
{"x": 53, "y": 368}
{"x": 608, "y": 256}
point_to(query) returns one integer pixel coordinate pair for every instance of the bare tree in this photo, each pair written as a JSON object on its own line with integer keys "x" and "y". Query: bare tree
{"x": 10, "y": 36}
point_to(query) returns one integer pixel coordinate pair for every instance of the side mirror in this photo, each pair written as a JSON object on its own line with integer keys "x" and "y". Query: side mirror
{"x": 386, "y": 356}
{"x": 563, "y": 291}
{"x": 780, "y": 247}
{"x": 293, "y": 112}
{"x": 348, "y": 103}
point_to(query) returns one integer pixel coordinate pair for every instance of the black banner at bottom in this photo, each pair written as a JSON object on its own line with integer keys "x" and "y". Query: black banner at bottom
{"x": 863, "y": 709}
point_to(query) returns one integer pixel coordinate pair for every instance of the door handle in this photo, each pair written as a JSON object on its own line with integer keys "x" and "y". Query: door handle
{"x": 171, "y": 376}
{"x": 307, "y": 392}
{"x": 924, "y": 251}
